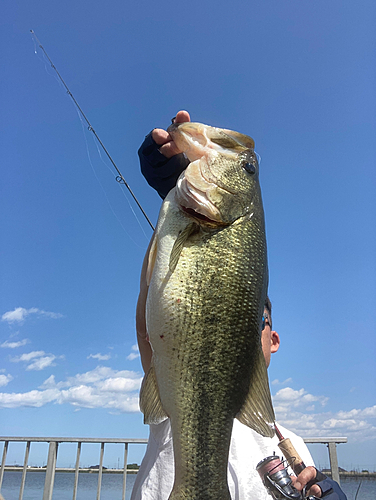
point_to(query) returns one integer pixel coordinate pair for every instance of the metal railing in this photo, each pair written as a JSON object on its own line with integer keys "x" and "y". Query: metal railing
{"x": 52, "y": 457}
{"x": 54, "y": 442}
{"x": 331, "y": 443}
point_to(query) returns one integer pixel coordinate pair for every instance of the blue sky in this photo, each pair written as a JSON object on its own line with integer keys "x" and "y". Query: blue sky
{"x": 297, "y": 76}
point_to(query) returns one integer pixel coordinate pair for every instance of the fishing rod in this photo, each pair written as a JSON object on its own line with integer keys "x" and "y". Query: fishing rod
{"x": 120, "y": 179}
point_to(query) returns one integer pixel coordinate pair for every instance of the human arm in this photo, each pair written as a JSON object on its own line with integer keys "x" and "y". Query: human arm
{"x": 142, "y": 334}
{"x": 160, "y": 159}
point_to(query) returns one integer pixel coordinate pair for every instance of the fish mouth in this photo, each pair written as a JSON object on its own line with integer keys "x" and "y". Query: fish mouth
{"x": 197, "y": 215}
{"x": 194, "y": 201}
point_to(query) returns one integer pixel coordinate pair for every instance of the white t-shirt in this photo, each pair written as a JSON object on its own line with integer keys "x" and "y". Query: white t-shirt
{"x": 155, "y": 478}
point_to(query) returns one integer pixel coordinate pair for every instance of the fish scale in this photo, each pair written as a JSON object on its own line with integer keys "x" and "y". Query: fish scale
{"x": 203, "y": 317}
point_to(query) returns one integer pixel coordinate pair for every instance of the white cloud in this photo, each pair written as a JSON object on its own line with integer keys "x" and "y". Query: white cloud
{"x": 33, "y": 398}
{"x": 41, "y": 360}
{"x": 14, "y": 345}
{"x": 347, "y": 425}
{"x": 19, "y": 314}
{"x": 117, "y": 391}
{"x": 5, "y": 379}
{"x": 27, "y": 356}
{"x": 135, "y": 354}
{"x": 49, "y": 383}
{"x": 292, "y": 398}
{"x": 277, "y": 382}
{"x": 119, "y": 384}
{"x": 369, "y": 412}
{"x": 42, "y": 363}
{"x": 99, "y": 356}
{"x": 296, "y": 410}
{"x": 102, "y": 387}
{"x": 132, "y": 356}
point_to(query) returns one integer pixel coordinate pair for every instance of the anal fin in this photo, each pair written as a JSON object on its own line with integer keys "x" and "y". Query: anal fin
{"x": 150, "y": 401}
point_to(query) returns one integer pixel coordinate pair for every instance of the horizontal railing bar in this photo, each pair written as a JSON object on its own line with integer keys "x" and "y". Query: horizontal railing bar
{"x": 325, "y": 440}
{"x": 75, "y": 440}
{"x": 139, "y": 440}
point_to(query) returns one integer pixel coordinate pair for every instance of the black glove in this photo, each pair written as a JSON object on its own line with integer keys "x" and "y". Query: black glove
{"x": 330, "y": 489}
{"x": 160, "y": 172}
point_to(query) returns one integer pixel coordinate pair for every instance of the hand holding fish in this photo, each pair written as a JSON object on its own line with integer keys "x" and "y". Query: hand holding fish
{"x": 162, "y": 137}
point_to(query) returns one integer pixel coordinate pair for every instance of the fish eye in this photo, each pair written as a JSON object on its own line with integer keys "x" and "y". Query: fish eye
{"x": 249, "y": 167}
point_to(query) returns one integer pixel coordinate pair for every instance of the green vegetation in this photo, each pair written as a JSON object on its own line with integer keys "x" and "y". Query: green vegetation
{"x": 133, "y": 466}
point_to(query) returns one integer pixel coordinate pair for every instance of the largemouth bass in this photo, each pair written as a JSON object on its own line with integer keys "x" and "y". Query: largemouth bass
{"x": 208, "y": 276}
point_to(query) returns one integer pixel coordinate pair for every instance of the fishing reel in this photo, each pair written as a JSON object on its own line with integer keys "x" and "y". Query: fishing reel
{"x": 277, "y": 480}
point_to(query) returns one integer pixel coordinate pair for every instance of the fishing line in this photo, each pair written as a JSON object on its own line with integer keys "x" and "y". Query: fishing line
{"x": 43, "y": 59}
{"x": 101, "y": 185}
{"x": 119, "y": 178}
{"x": 123, "y": 192}
{"x": 357, "y": 491}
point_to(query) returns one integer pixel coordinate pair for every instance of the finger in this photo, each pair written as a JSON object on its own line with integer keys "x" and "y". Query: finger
{"x": 163, "y": 139}
{"x": 169, "y": 149}
{"x": 305, "y": 477}
{"x": 315, "y": 491}
{"x": 182, "y": 117}
{"x": 160, "y": 136}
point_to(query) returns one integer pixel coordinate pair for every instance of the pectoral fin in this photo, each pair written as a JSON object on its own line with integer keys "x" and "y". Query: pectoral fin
{"x": 257, "y": 411}
{"x": 150, "y": 401}
{"x": 179, "y": 243}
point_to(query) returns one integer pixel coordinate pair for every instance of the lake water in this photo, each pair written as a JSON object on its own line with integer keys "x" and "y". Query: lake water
{"x": 112, "y": 486}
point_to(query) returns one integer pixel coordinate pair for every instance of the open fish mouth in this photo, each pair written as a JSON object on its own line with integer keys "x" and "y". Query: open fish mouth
{"x": 193, "y": 193}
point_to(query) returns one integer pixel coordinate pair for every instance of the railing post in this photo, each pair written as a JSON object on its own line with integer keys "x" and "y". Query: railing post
{"x": 125, "y": 470}
{"x": 3, "y": 462}
{"x": 100, "y": 472}
{"x": 333, "y": 461}
{"x": 24, "y": 470}
{"x": 50, "y": 471}
{"x": 76, "y": 471}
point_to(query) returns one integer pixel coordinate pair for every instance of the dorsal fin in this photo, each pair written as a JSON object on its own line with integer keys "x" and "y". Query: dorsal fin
{"x": 257, "y": 411}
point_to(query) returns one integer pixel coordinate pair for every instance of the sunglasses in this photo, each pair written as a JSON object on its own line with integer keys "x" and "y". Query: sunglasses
{"x": 267, "y": 318}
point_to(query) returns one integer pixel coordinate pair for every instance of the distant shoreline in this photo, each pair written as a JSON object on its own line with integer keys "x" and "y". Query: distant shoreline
{"x": 11, "y": 468}
{"x": 352, "y": 474}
